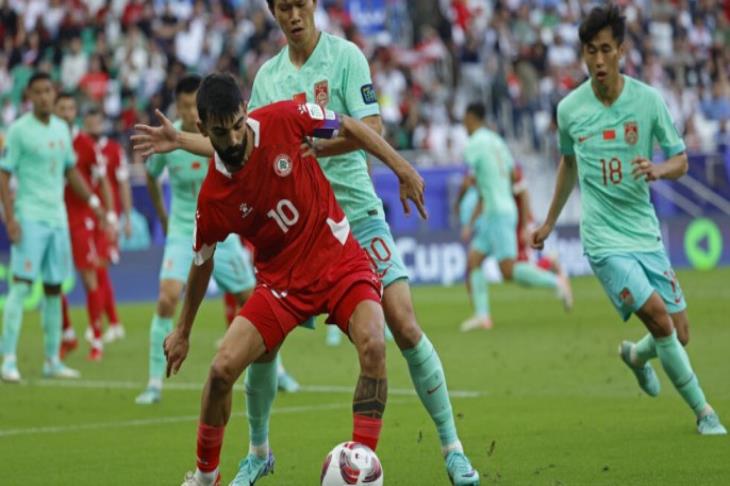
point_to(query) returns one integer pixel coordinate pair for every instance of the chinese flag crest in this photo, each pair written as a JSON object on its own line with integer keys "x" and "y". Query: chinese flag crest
{"x": 631, "y": 133}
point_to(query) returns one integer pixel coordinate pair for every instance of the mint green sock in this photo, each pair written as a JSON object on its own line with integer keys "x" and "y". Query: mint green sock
{"x": 427, "y": 375}
{"x": 51, "y": 323}
{"x": 13, "y": 316}
{"x": 645, "y": 349}
{"x": 529, "y": 275}
{"x": 260, "y": 385}
{"x": 160, "y": 328}
{"x": 479, "y": 295}
{"x": 677, "y": 366}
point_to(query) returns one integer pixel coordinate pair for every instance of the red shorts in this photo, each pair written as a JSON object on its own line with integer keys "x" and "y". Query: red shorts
{"x": 347, "y": 283}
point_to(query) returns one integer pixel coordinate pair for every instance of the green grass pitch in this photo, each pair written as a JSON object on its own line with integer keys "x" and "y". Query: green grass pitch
{"x": 542, "y": 399}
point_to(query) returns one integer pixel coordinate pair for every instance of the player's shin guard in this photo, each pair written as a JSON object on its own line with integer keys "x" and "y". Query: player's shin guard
{"x": 531, "y": 276}
{"x": 51, "y": 322}
{"x": 428, "y": 377}
{"x": 160, "y": 328}
{"x": 368, "y": 406}
{"x": 210, "y": 441}
{"x": 260, "y": 386}
{"x": 677, "y": 366}
{"x": 13, "y": 316}
{"x": 107, "y": 294}
{"x": 478, "y": 289}
{"x": 645, "y": 349}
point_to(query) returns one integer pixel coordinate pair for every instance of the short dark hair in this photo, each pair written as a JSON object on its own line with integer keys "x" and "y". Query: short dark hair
{"x": 477, "y": 109}
{"x": 188, "y": 84}
{"x": 38, "y": 76}
{"x": 598, "y": 19}
{"x": 62, "y": 95}
{"x": 93, "y": 110}
{"x": 218, "y": 97}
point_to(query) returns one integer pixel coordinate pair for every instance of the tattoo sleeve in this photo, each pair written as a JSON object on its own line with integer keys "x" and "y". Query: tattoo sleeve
{"x": 370, "y": 397}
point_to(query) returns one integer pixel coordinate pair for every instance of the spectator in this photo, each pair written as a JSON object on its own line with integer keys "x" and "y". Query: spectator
{"x": 74, "y": 65}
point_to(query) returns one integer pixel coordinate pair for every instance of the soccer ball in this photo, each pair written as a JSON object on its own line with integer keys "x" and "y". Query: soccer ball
{"x": 351, "y": 463}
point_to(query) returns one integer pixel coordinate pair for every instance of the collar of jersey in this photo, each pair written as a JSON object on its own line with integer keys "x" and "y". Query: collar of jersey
{"x": 256, "y": 128}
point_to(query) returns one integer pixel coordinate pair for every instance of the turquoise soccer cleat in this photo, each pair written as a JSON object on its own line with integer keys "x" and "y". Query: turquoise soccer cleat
{"x": 710, "y": 425}
{"x": 59, "y": 370}
{"x": 252, "y": 468}
{"x": 10, "y": 373}
{"x": 645, "y": 375}
{"x": 149, "y": 396}
{"x": 460, "y": 471}
{"x": 287, "y": 383}
{"x": 333, "y": 337}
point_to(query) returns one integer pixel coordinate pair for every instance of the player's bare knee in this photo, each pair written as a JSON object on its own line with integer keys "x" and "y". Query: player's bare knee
{"x": 222, "y": 376}
{"x": 166, "y": 304}
{"x": 372, "y": 353}
{"x": 402, "y": 323}
{"x": 506, "y": 267}
{"x": 683, "y": 336}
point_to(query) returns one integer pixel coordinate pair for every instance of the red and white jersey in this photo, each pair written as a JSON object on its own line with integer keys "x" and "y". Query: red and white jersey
{"x": 89, "y": 164}
{"x": 117, "y": 168}
{"x": 280, "y": 201}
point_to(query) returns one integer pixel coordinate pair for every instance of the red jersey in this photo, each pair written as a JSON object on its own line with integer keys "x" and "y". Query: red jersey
{"x": 519, "y": 185}
{"x": 117, "y": 168}
{"x": 88, "y": 165}
{"x": 280, "y": 201}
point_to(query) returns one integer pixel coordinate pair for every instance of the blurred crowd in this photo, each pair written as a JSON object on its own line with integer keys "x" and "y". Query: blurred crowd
{"x": 429, "y": 59}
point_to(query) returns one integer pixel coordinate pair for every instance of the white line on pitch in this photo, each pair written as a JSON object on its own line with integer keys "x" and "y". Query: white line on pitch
{"x": 168, "y": 420}
{"x": 133, "y": 385}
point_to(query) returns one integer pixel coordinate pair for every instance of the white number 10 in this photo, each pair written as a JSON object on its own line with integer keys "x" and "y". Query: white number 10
{"x": 285, "y": 215}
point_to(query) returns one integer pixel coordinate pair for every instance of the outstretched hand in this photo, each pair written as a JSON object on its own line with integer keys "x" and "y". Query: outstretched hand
{"x": 151, "y": 140}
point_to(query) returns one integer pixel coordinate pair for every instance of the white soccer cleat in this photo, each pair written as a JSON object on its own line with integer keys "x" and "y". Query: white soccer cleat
{"x": 565, "y": 292}
{"x": 114, "y": 333}
{"x": 59, "y": 370}
{"x": 10, "y": 372}
{"x": 476, "y": 322}
{"x": 192, "y": 480}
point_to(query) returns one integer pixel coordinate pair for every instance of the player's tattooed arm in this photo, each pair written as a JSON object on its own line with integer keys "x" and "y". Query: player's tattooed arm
{"x": 370, "y": 397}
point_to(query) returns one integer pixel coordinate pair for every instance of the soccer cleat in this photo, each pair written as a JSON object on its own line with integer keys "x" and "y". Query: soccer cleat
{"x": 10, "y": 372}
{"x": 476, "y": 322}
{"x": 333, "y": 337}
{"x": 68, "y": 345}
{"x": 89, "y": 335}
{"x": 565, "y": 292}
{"x": 59, "y": 370}
{"x": 460, "y": 471}
{"x": 150, "y": 396}
{"x": 710, "y": 425}
{"x": 114, "y": 333}
{"x": 388, "y": 335}
{"x": 645, "y": 375}
{"x": 252, "y": 468}
{"x": 287, "y": 383}
{"x": 95, "y": 354}
{"x": 191, "y": 480}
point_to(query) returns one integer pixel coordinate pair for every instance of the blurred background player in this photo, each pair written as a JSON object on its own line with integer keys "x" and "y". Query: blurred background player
{"x": 494, "y": 172}
{"x": 88, "y": 238}
{"x": 607, "y": 127}
{"x": 39, "y": 154}
{"x": 232, "y": 273}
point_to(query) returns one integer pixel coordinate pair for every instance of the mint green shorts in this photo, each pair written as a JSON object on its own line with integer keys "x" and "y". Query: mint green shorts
{"x": 375, "y": 238}
{"x": 629, "y": 279}
{"x": 232, "y": 268}
{"x": 44, "y": 250}
{"x": 496, "y": 236}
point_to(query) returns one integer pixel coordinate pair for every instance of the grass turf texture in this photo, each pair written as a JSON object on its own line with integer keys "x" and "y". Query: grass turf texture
{"x": 557, "y": 406}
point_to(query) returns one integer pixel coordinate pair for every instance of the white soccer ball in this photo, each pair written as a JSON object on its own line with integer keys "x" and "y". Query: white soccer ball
{"x": 351, "y": 463}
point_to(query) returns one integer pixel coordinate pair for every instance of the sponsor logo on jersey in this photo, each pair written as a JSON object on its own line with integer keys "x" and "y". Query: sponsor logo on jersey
{"x": 368, "y": 94}
{"x": 245, "y": 209}
{"x": 283, "y": 164}
{"x": 631, "y": 133}
{"x": 315, "y": 112}
{"x": 321, "y": 93}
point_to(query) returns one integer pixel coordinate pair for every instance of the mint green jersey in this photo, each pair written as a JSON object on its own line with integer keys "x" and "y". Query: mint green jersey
{"x": 617, "y": 214}
{"x": 38, "y": 155}
{"x": 491, "y": 161}
{"x": 186, "y": 172}
{"x": 335, "y": 76}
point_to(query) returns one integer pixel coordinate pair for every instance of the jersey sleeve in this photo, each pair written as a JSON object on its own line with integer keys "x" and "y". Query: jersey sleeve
{"x": 565, "y": 141}
{"x": 155, "y": 165}
{"x": 360, "y": 96}
{"x": 313, "y": 121}
{"x": 204, "y": 241}
{"x": 664, "y": 131}
{"x": 12, "y": 151}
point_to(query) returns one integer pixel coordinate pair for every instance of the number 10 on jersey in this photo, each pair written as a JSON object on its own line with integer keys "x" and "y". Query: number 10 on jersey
{"x": 285, "y": 214}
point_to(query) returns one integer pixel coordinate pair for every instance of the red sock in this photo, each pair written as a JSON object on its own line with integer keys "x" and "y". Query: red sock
{"x": 94, "y": 304}
{"x": 105, "y": 285}
{"x": 64, "y": 309}
{"x": 230, "y": 306}
{"x": 366, "y": 430}
{"x": 210, "y": 441}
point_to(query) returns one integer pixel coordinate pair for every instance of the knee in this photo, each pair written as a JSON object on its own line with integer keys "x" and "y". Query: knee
{"x": 372, "y": 352}
{"x": 507, "y": 269}
{"x": 166, "y": 304}
{"x": 402, "y": 323}
{"x": 683, "y": 336}
{"x": 222, "y": 376}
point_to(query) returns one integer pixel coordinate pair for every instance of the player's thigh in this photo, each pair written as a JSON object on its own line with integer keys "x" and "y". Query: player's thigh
{"x": 176, "y": 259}
{"x": 399, "y": 314}
{"x": 624, "y": 281}
{"x": 170, "y": 291}
{"x": 83, "y": 245}
{"x": 366, "y": 332}
{"x": 241, "y": 345}
{"x": 232, "y": 268}
{"x": 375, "y": 238}
{"x": 26, "y": 255}
{"x": 274, "y": 317}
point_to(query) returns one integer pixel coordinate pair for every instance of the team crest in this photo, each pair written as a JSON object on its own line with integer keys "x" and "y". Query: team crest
{"x": 282, "y": 165}
{"x": 631, "y": 133}
{"x": 321, "y": 93}
{"x": 245, "y": 209}
{"x": 626, "y": 297}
